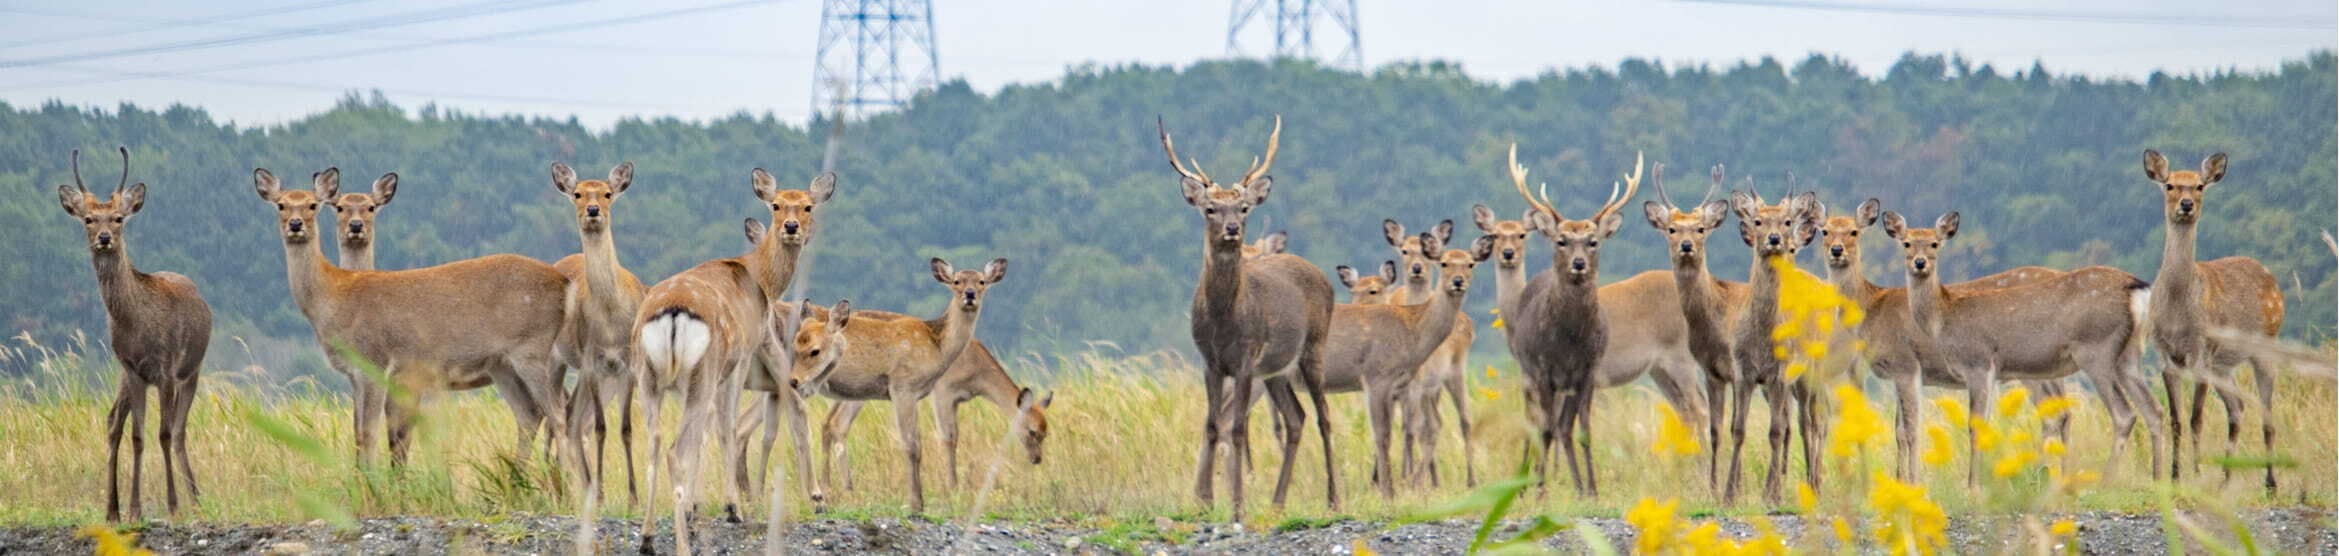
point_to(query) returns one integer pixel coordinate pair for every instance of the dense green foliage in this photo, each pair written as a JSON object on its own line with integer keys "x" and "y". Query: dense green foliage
{"x": 1066, "y": 178}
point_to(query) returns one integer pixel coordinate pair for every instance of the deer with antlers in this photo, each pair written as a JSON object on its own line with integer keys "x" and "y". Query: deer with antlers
{"x": 460, "y": 325}
{"x": 1709, "y": 306}
{"x": 601, "y": 301}
{"x": 698, "y": 334}
{"x": 1556, "y": 331}
{"x": 2089, "y": 320}
{"x": 159, "y": 327}
{"x": 1447, "y": 369}
{"x": 1773, "y": 231}
{"x": 1253, "y": 319}
{"x": 2192, "y": 298}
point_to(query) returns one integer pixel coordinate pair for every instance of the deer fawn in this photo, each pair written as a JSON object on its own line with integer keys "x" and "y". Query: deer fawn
{"x": 699, "y": 334}
{"x": 159, "y": 328}
{"x": 976, "y": 373}
{"x": 1381, "y": 347}
{"x": 1445, "y": 372}
{"x": 1984, "y": 334}
{"x": 1888, "y": 330}
{"x": 1773, "y": 231}
{"x": 600, "y": 303}
{"x": 1253, "y": 320}
{"x": 1557, "y": 332}
{"x": 460, "y": 325}
{"x": 2190, "y": 298}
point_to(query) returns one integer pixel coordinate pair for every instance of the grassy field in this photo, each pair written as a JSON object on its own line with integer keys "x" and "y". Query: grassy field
{"x": 1122, "y": 450}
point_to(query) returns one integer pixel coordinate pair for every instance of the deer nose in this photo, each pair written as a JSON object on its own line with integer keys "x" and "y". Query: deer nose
{"x": 1507, "y": 254}
{"x": 1918, "y": 264}
{"x": 1687, "y": 248}
{"x": 790, "y": 227}
{"x": 1459, "y": 283}
{"x": 2185, "y": 206}
{"x": 1835, "y": 250}
{"x": 294, "y": 225}
{"x": 593, "y": 211}
{"x": 1418, "y": 270}
{"x": 356, "y": 226}
{"x": 1232, "y": 229}
{"x": 1577, "y": 264}
{"x": 105, "y": 238}
{"x": 1774, "y": 240}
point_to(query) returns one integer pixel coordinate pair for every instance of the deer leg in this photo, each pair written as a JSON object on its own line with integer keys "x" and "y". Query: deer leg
{"x": 137, "y": 451}
{"x": 688, "y": 453}
{"x": 905, "y": 420}
{"x": 1807, "y": 419}
{"x": 370, "y": 401}
{"x": 1569, "y": 415}
{"x": 2232, "y": 400}
{"x": 2115, "y": 393}
{"x": 1741, "y": 393}
{"x": 1237, "y": 434}
{"x": 116, "y": 417}
{"x": 1782, "y": 407}
{"x": 1979, "y": 386}
{"x": 1458, "y": 390}
{"x": 2263, "y": 371}
{"x": 1378, "y": 403}
{"x": 646, "y": 394}
{"x": 725, "y": 421}
{"x": 166, "y": 399}
{"x": 1718, "y": 402}
{"x": 2172, "y": 383}
{"x": 832, "y": 442}
{"x": 1285, "y": 402}
{"x": 1589, "y": 397}
{"x": 187, "y": 392}
{"x": 625, "y": 408}
{"x": 1214, "y": 387}
{"x": 1311, "y": 373}
{"x": 799, "y": 433}
{"x": 1910, "y": 421}
{"x": 771, "y": 435}
{"x": 2200, "y": 403}
{"x": 574, "y": 445}
{"x": 526, "y": 414}
{"x": 946, "y": 422}
{"x": 2059, "y": 428}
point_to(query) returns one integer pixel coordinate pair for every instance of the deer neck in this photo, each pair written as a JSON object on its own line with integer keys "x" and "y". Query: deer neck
{"x": 1509, "y": 283}
{"x": 1927, "y": 301}
{"x": 993, "y": 384}
{"x": 1849, "y": 281}
{"x": 117, "y": 281}
{"x": 773, "y": 265}
{"x": 2179, "y": 275}
{"x": 1222, "y": 280}
{"x": 1762, "y": 310}
{"x": 306, "y": 269}
{"x": 952, "y": 332}
{"x": 1431, "y": 320}
{"x": 358, "y": 255}
{"x": 1701, "y": 301}
{"x": 1414, "y": 292}
{"x": 601, "y": 267}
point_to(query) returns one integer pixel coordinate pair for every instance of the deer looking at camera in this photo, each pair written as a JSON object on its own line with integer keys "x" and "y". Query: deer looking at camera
{"x": 1889, "y": 333}
{"x": 1709, "y": 306}
{"x": 2089, "y": 320}
{"x": 1774, "y": 231}
{"x": 601, "y": 301}
{"x": 1446, "y": 371}
{"x": 158, "y": 326}
{"x": 460, "y": 325}
{"x": 1252, "y": 319}
{"x": 1557, "y": 331}
{"x": 1382, "y": 346}
{"x": 2190, "y": 298}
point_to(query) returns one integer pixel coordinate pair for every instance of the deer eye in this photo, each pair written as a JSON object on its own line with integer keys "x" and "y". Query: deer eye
{"x": 1904, "y": 245}
{"x": 89, "y": 220}
{"x": 1672, "y": 231}
{"x": 578, "y": 195}
{"x": 1210, "y": 211}
{"x": 2168, "y": 187}
{"x": 807, "y": 209}
{"x": 816, "y": 352}
{"x": 1855, "y": 233}
{"x": 1592, "y": 243}
{"x": 1936, "y": 245}
{"x": 1563, "y": 243}
{"x": 312, "y": 206}
{"x": 775, "y": 207}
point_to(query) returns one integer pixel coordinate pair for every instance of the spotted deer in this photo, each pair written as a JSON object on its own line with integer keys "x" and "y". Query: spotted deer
{"x": 2089, "y": 321}
{"x": 1253, "y": 319}
{"x": 1773, "y": 231}
{"x": 2190, "y": 298}
{"x": 1557, "y": 331}
{"x": 600, "y": 304}
{"x": 1446, "y": 372}
{"x": 1887, "y": 331}
{"x": 456, "y": 326}
{"x": 158, "y": 326}
{"x": 698, "y": 334}
{"x": 900, "y": 359}
{"x": 976, "y": 373}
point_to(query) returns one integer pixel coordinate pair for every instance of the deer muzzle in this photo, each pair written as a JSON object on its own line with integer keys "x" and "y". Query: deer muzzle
{"x": 1578, "y": 265}
{"x": 2184, "y": 206}
{"x": 592, "y": 211}
{"x": 1835, "y": 251}
{"x": 1688, "y": 248}
{"x": 1509, "y": 254}
{"x": 294, "y": 225}
{"x": 105, "y": 239}
{"x": 1918, "y": 264}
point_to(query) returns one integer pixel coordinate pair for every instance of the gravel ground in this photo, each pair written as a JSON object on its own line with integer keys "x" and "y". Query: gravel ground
{"x": 2288, "y": 531}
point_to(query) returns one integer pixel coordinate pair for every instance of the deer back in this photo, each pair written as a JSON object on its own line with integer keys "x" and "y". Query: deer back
{"x": 474, "y": 309}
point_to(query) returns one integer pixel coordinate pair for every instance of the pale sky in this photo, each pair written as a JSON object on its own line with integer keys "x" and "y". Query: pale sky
{"x": 266, "y": 62}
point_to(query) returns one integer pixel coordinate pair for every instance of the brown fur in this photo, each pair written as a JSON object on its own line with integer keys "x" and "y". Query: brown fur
{"x": 1558, "y": 332}
{"x": 1709, "y": 306}
{"x": 975, "y": 374}
{"x": 1380, "y": 348}
{"x": 2189, "y": 298}
{"x": 1446, "y": 371}
{"x": 159, "y": 328}
{"x": 596, "y": 338}
{"x": 1773, "y": 231}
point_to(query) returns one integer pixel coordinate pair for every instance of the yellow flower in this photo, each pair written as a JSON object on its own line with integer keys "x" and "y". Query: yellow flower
{"x": 1909, "y": 521}
{"x": 1985, "y": 436}
{"x": 1796, "y": 369}
{"x": 1857, "y": 423}
{"x": 1489, "y": 393}
{"x": 109, "y": 542}
{"x": 1767, "y": 541}
{"x": 1952, "y": 409}
{"x": 1360, "y": 549}
{"x": 1497, "y": 323}
{"x": 2064, "y": 528}
{"x": 1806, "y": 499}
{"x": 2055, "y": 448}
{"x": 1843, "y": 533}
{"x": 2011, "y": 405}
{"x": 1655, "y": 522}
{"x": 1937, "y": 447}
{"x": 2056, "y": 406}
{"x": 1815, "y": 350}
{"x": 1707, "y": 539}
{"x": 1674, "y": 438}
{"x": 1490, "y": 371}
{"x": 2013, "y": 463}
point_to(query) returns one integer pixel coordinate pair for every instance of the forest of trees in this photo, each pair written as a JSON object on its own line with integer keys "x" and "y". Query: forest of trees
{"x": 1067, "y": 179}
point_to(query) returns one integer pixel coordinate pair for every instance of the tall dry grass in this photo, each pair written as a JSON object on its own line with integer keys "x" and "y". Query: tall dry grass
{"x": 1123, "y": 444}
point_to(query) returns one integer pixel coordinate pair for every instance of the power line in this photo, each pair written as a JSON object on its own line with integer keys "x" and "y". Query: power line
{"x": 633, "y": 49}
{"x": 160, "y": 23}
{"x": 307, "y": 31}
{"x": 108, "y": 76}
{"x": 2317, "y": 23}
{"x": 489, "y": 97}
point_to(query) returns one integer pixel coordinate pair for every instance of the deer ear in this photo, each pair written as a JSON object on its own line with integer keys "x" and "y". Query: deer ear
{"x": 942, "y": 270}
{"x": 1482, "y": 248}
{"x": 70, "y": 198}
{"x": 621, "y": 177}
{"x": 1483, "y": 217}
{"x": 1193, "y": 189}
{"x": 1389, "y": 271}
{"x": 765, "y": 186}
{"x": 1657, "y": 214}
{"x": 755, "y": 231}
{"x": 1273, "y": 243}
{"x": 1894, "y": 224}
{"x": 1806, "y": 229}
{"x": 263, "y": 183}
{"x": 803, "y": 312}
{"x": 563, "y": 177}
{"x": 2155, "y": 166}
{"x": 1808, "y": 203}
{"x": 1444, "y": 232}
{"x": 996, "y": 271}
{"x": 1393, "y": 231}
{"x": 135, "y": 197}
{"x": 823, "y": 187}
{"x": 842, "y": 314}
{"x": 1609, "y": 224}
{"x": 1711, "y": 215}
{"x": 1430, "y": 246}
{"x": 2212, "y": 169}
{"x": 1741, "y": 203}
{"x": 1046, "y": 400}
{"x": 384, "y": 188}
{"x": 1947, "y": 224}
{"x": 1258, "y": 188}
{"x": 1542, "y": 222}
{"x": 327, "y": 183}
{"x": 1347, "y": 276}
{"x": 1866, "y": 214}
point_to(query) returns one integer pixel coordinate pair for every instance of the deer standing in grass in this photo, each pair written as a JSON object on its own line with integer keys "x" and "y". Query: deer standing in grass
{"x": 2190, "y": 298}
{"x": 900, "y": 359}
{"x": 456, "y": 326}
{"x": 698, "y": 334}
{"x": 976, "y": 373}
{"x": 1557, "y": 332}
{"x": 1891, "y": 336}
{"x": 1773, "y": 231}
{"x": 601, "y": 301}
{"x": 1380, "y": 347}
{"x": 2089, "y": 320}
{"x": 1709, "y": 306}
{"x": 159, "y": 327}
{"x": 1253, "y": 319}
{"x": 1446, "y": 371}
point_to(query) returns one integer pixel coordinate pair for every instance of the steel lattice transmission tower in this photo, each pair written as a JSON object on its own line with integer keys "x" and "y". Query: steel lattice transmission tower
{"x": 874, "y": 54}
{"x": 1294, "y": 26}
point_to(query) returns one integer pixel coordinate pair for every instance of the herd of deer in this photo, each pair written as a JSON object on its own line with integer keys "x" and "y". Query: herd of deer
{"x": 1261, "y": 318}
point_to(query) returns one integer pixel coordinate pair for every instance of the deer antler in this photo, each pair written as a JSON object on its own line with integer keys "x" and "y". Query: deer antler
{"x": 1172, "y": 149}
{"x": 1259, "y": 166}
{"x": 1791, "y": 183}
{"x": 77, "y": 173}
{"x": 1519, "y": 179}
{"x": 1632, "y": 185}
{"x": 125, "y": 168}
{"x": 1657, "y": 178}
{"x": 1717, "y": 186}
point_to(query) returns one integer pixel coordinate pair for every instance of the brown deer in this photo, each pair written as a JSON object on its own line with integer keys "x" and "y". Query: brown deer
{"x": 1773, "y": 231}
{"x": 159, "y": 327}
{"x": 460, "y": 325}
{"x": 1557, "y": 332}
{"x": 1709, "y": 306}
{"x": 1445, "y": 372}
{"x": 975, "y": 374}
{"x": 1253, "y": 320}
{"x": 2089, "y": 320}
{"x": 1380, "y": 348}
{"x": 356, "y": 213}
{"x": 2191, "y": 298}
{"x": 1273, "y": 244}
{"x": 1887, "y": 329}
{"x": 601, "y": 301}
{"x": 699, "y": 334}
{"x": 900, "y": 359}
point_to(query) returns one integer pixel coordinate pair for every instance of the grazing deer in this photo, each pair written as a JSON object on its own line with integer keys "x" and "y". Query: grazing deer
{"x": 975, "y": 374}
{"x": 456, "y": 326}
{"x": 900, "y": 359}
{"x": 1888, "y": 331}
{"x": 1253, "y": 320}
{"x": 159, "y": 327}
{"x": 2191, "y": 298}
{"x": 1381, "y": 347}
{"x": 2089, "y": 320}
{"x": 601, "y": 301}
{"x": 699, "y": 334}
{"x": 1773, "y": 231}
{"x": 1557, "y": 332}
{"x": 1446, "y": 371}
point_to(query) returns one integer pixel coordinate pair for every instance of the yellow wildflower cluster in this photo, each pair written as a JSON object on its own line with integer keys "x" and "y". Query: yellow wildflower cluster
{"x": 1659, "y": 530}
{"x": 1812, "y": 315}
{"x": 1674, "y": 438}
{"x": 110, "y": 542}
{"x": 1908, "y": 521}
{"x": 1857, "y": 425}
